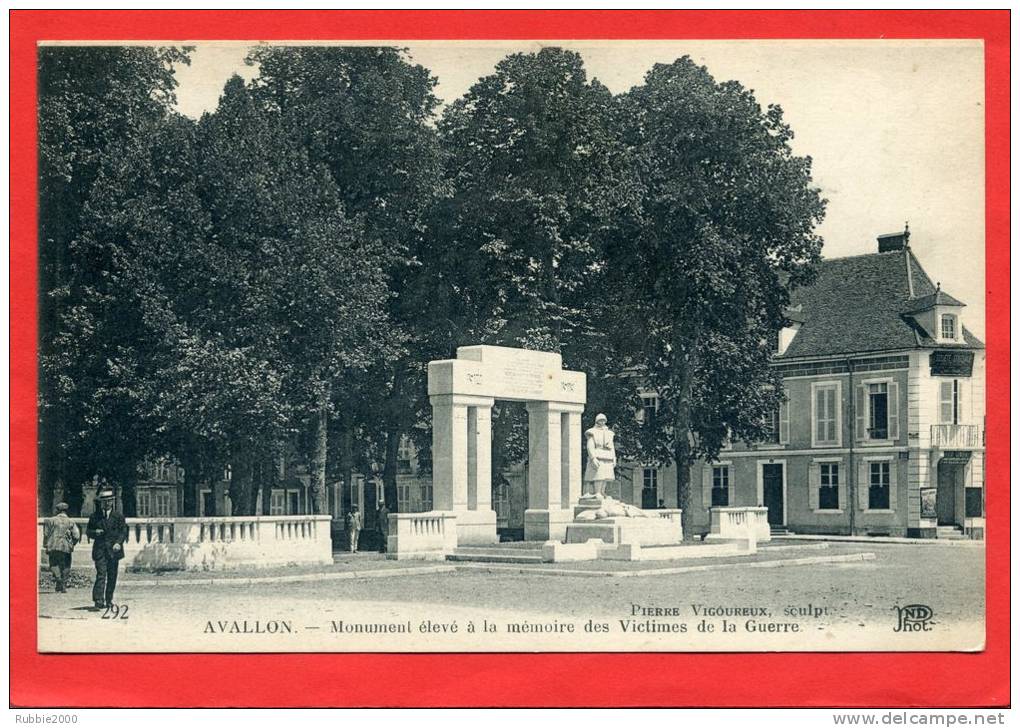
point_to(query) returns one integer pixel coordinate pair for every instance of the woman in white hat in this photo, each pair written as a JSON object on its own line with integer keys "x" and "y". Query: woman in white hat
{"x": 601, "y": 468}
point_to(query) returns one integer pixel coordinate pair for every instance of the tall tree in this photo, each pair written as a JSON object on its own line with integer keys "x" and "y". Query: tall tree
{"x": 540, "y": 183}
{"x": 365, "y": 114}
{"x": 254, "y": 289}
{"x": 91, "y": 99}
{"x": 700, "y": 287}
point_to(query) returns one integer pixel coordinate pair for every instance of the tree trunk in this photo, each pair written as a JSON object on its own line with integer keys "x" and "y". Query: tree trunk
{"x": 682, "y": 451}
{"x": 390, "y": 470}
{"x": 241, "y": 482}
{"x": 346, "y": 466}
{"x": 270, "y": 471}
{"x": 318, "y": 485}
{"x": 129, "y": 504}
{"x": 189, "y": 488}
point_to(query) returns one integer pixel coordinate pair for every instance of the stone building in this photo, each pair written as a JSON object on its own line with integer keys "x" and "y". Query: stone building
{"x": 882, "y": 432}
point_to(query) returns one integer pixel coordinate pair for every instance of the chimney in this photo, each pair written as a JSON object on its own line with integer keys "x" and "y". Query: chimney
{"x": 894, "y": 241}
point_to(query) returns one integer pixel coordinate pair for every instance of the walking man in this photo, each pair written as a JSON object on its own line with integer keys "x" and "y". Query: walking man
{"x": 60, "y": 534}
{"x": 108, "y": 532}
{"x": 353, "y": 529}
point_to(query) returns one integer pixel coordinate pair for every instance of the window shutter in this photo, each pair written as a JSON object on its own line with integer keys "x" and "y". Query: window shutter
{"x": 784, "y": 420}
{"x": 946, "y": 401}
{"x": 863, "y": 472}
{"x": 892, "y": 485}
{"x": 730, "y": 488}
{"x": 894, "y": 411}
{"x": 840, "y": 486}
{"x": 861, "y": 412}
{"x": 706, "y": 485}
{"x": 814, "y": 483}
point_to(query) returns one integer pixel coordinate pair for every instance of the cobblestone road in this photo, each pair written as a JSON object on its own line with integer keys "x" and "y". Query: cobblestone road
{"x": 857, "y": 598}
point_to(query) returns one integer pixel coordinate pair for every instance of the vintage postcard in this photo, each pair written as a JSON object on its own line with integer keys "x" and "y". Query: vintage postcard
{"x": 511, "y": 346}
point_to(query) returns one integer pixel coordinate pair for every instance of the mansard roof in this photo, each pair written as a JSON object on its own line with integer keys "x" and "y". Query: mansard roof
{"x": 864, "y": 303}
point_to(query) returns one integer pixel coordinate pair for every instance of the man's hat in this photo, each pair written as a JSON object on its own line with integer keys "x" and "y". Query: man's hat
{"x": 601, "y": 417}
{"x": 106, "y": 494}
{"x": 61, "y": 507}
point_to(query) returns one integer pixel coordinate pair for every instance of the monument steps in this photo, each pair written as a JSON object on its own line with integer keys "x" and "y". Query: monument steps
{"x": 496, "y": 556}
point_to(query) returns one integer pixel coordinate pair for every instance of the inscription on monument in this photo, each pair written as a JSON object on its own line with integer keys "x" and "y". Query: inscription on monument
{"x": 524, "y": 379}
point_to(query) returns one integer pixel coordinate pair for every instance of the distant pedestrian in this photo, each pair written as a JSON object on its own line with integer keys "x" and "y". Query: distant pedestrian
{"x": 60, "y": 534}
{"x": 384, "y": 525}
{"x": 353, "y": 523}
{"x": 108, "y": 531}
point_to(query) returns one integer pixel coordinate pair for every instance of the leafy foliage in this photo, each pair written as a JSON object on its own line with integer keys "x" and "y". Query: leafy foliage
{"x": 701, "y": 285}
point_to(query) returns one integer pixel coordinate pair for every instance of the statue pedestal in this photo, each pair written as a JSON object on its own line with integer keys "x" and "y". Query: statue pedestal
{"x": 547, "y": 524}
{"x": 476, "y": 528}
{"x": 624, "y": 530}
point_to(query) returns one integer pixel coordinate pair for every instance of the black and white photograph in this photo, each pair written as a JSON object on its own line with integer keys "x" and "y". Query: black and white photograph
{"x": 511, "y": 346}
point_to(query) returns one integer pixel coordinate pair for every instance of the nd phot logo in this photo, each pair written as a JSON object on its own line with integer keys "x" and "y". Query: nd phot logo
{"x": 914, "y": 618}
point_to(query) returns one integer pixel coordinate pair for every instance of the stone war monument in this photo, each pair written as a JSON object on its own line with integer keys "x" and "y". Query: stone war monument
{"x": 462, "y": 392}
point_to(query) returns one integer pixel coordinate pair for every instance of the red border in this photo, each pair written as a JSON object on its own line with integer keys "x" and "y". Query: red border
{"x": 940, "y": 679}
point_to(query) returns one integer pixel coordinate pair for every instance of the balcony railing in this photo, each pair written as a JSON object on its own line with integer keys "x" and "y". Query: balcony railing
{"x": 956, "y": 437}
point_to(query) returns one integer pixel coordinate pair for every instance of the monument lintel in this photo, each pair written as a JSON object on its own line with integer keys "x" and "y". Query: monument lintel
{"x": 462, "y": 392}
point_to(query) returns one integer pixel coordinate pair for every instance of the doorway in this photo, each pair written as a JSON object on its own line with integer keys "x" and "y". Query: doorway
{"x": 772, "y": 492}
{"x": 950, "y": 482}
{"x": 208, "y": 503}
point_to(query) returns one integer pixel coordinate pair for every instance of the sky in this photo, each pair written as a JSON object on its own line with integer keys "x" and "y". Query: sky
{"x": 895, "y": 128}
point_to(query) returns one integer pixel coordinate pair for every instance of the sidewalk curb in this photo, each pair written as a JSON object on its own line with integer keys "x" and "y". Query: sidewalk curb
{"x": 492, "y": 567}
{"x": 250, "y": 580}
{"x": 966, "y": 542}
{"x": 775, "y": 563}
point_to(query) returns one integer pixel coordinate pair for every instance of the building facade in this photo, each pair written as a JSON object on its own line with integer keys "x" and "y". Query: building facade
{"x": 882, "y": 431}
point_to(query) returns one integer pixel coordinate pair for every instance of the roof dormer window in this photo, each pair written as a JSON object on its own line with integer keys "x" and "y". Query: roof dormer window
{"x": 949, "y": 327}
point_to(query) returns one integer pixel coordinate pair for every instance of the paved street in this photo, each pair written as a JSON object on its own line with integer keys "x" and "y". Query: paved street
{"x": 851, "y": 607}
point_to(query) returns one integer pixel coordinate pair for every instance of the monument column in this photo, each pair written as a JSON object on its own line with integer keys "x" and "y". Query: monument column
{"x": 461, "y": 464}
{"x": 480, "y": 457}
{"x": 554, "y": 479}
{"x": 571, "y": 442}
{"x": 449, "y": 453}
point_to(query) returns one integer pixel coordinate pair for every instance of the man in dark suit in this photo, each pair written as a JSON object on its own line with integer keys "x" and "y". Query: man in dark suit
{"x": 108, "y": 531}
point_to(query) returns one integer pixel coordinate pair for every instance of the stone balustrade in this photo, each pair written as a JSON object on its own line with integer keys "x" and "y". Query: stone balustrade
{"x": 214, "y": 543}
{"x": 423, "y": 536}
{"x": 736, "y": 522}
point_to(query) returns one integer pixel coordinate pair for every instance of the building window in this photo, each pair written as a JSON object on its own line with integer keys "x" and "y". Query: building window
{"x": 878, "y": 411}
{"x": 772, "y": 427}
{"x": 949, "y": 402}
{"x": 949, "y": 326}
{"x": 825, "y": 413}
{"x": 403, "y": 497}
{"x": 828, "y": 489}
{"x": 143, "y": 502}
{"x": 650, "y": 488}
{"x": 426, "y": 496}
{"x": 278, "y": 503}
{"x": 974, "y": 506}
{"x": 501, "y": 502}
{"x": 878, "y": 488}
{"x": 405, "y": 453}
{"x": 161, "y": 504}
{"x": 720, "y": 485}
{"x": 649, "y": 409}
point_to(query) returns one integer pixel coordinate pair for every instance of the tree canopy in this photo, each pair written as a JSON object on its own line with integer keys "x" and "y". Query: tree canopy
{"x": 276, "y": 275}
